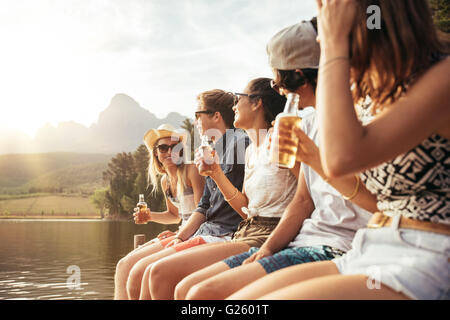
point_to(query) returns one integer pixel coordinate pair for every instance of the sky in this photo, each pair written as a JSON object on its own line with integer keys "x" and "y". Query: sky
{"x": 63, "y": 60}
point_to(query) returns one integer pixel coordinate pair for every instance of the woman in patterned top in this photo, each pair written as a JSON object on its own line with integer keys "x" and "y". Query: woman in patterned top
{"x": 401, "y": 154}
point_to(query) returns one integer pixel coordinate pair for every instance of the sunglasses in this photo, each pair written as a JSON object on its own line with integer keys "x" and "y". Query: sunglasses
{"x": 198, "y": 113}
{"x": 274, "y": 86}
{"x": 163, "y": 148}
{"x": 237, "y": 96}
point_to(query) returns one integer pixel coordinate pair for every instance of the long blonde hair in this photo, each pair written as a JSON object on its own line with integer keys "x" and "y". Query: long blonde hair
{"x": 156, "y": 171}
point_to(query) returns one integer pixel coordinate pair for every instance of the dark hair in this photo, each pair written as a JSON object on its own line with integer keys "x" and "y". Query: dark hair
{"x": 292, "y": 80}
{"x": 314, "y": 23}
{"x": 396, "y": 54}
{"x": 219, "y": 101}
{"x": 272, "y": 102}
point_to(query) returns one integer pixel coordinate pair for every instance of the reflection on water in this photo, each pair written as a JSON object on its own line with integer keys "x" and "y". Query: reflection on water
{"x": 41, "y": 259}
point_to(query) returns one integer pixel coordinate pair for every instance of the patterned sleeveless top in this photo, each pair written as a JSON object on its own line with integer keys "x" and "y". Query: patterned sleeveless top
{"x": 415, "y": 184}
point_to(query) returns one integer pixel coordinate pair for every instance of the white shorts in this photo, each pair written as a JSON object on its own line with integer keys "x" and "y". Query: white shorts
{"x": 211, "y": 239}
{"x": 415, "y": 263}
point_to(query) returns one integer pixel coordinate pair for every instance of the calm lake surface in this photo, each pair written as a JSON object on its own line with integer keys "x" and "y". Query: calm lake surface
{"x": 42, "y": 259}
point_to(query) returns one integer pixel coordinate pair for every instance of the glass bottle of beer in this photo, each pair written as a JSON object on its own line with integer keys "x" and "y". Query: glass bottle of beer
{"x": 206, "y": 148}
{"x": 283, "y": 153}
{"x": 142, "y": 213}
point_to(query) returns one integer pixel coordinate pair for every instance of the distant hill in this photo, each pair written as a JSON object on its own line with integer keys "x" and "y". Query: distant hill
{"x": 63, "y": 171}
{"x": 120, "y": 128}
{"x": 75, "y": 179}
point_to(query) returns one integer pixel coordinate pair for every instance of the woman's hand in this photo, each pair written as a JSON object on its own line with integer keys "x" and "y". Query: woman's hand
{"x": 335, "y": 20}
{"x": 261, "y": 253}
{"x": 142, "y": 217}
{"x": 174, "y": 242}
{"x": 166, "y": 234}
{"x": 307, "y": 150}
{"x": 207, "y": 164}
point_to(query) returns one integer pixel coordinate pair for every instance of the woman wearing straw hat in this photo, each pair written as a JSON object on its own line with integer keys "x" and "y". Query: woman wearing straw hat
{"x": 183, "y": 188}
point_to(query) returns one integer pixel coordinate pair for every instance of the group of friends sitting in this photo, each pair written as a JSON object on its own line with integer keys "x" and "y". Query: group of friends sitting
{"x": 365, "y": 211}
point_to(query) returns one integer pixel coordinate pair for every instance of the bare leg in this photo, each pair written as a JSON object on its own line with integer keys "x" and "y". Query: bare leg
{"x": 145, "y": 290}
{"x": 283, "y": 278}
{"x": 126, "y": 263}
{"x": 137, "y": 271}
{"x": 335, "y": 287}
{"x": 188, "y": 282}
{"x": 166, "y": 273}
{"x": 315, "y": 280}
{"x": 205, "y": 285}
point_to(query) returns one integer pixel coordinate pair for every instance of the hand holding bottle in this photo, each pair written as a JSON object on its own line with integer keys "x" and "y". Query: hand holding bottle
{"x": 206, "y": 159}
{"x": 283, "y": 147}
{"x": 141, "y": 214}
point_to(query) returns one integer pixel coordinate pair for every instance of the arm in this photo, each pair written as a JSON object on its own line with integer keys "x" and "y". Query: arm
{"x": 228, "y": 190}
{"x": 196, "y": 181}
{"x": 195, "y": 220}
{"x": 191, "y": 226}
{"x": 296, "y": 169}
{"x": 299, "y": 209}
{"x": 170, "y": 216}
{"x": 237, "y": 199}
{"x": 346, "y": 145}
{"x": 309, "y": 154}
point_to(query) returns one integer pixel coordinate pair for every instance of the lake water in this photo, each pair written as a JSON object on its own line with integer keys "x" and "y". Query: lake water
{"x": 64, "y": 259}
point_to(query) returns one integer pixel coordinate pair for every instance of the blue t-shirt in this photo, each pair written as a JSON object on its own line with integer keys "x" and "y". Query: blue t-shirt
{"x": 221, "y": 219}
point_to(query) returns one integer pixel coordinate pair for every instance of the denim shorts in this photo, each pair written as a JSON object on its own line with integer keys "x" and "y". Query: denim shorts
{"x": 415, "y": 263}
{"x": 287, "y": 257}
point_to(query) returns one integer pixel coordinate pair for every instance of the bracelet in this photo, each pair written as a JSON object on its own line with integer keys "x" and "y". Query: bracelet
{"x": 234, "y": 196}
{"x": 350, "y": 197}
{"x": 333, "y": 59}
{"x": 177, "y": 237}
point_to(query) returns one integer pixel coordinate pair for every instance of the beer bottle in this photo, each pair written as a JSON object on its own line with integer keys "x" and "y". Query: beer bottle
{"x": 282, "y": 151}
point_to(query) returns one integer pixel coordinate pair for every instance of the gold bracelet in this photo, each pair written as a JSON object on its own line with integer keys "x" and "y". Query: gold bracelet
{"x": 234, "y": 196}
{"x": 350, "y": 197}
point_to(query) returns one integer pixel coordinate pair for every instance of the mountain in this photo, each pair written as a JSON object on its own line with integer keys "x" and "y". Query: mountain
{"x": 119, "y": 128}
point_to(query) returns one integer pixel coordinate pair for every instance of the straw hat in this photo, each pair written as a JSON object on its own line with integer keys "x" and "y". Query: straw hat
{"x": 163, "y": 131}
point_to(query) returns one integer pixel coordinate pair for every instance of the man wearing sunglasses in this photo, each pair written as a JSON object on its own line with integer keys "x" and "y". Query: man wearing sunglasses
{"x": 214, "y": 219}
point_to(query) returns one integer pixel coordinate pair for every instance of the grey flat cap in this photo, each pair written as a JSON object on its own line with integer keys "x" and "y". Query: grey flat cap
{"x": 294, "y": 47}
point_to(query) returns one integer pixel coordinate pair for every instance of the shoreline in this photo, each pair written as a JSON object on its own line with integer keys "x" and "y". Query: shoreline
{"x": 61, "y": 217}
{"x": 51, "y": 217}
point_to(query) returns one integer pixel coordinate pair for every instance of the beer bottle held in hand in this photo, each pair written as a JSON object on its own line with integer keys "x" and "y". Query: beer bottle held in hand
{"x": 283, "y": 150}
{"x": 142, "y": 213}
{"x": 207, "y": 154}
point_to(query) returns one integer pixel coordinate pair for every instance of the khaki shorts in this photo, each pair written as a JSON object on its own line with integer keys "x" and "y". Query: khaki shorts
{"x": 255, "y": 231}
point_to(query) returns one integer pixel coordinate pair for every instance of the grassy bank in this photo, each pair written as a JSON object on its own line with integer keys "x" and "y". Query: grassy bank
{"x": 48, "y": 217}
{"x": 48, "y": 206}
